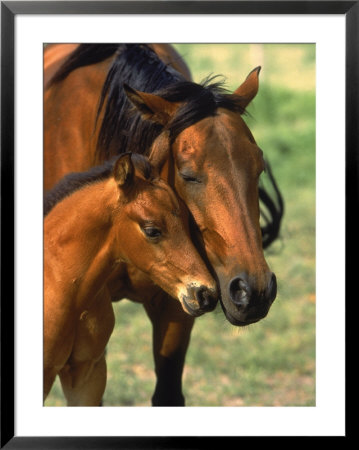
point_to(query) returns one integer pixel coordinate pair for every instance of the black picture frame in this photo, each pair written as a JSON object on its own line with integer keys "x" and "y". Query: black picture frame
{"x": 9, "y": 10}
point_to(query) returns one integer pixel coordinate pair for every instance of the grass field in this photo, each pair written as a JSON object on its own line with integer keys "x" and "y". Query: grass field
{"x": 271, "y": 363}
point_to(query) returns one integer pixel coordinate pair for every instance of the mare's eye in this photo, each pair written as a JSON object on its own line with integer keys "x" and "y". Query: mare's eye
{"x": 152, "y": 232}
{"x": 189, "y": 178}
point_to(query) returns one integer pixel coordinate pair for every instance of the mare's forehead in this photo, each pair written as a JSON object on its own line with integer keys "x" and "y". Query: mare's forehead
{"x": 225, "y": 127}
{"x": 217, "y": 145}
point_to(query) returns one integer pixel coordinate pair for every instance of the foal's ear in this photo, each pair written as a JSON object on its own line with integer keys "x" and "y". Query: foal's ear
{"x": 249, "y": 88}
{"x": 123, "y": 171}
{"x": 151, "y": 106}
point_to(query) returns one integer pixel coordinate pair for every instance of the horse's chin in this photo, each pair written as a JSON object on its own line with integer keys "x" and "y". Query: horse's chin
{"x": 236, "y": 318}
{"x": 236, "y": 322}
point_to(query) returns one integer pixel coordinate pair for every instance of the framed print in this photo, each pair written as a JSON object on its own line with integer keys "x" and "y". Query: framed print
{"x": 282, "y": 376}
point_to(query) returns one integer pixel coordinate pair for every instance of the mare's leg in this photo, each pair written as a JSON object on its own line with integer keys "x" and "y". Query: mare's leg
{"x": 171, "y": 333}
{"x": 83, "y": 378}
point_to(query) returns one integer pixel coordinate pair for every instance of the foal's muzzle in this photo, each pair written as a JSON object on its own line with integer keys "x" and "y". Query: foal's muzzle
{"x": 200, "y": 300}
{"x": 249, "y": 304}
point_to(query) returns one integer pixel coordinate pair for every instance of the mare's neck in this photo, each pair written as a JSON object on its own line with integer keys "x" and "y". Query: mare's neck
{"x": 79, "y": 240}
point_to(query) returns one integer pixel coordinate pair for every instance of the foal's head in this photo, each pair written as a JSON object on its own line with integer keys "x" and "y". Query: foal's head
{"x": 151, "y": 227}
{"x": 209, "y": 155}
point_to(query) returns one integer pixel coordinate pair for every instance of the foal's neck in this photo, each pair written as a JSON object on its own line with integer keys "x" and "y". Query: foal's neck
{"x": 79, "y": 239}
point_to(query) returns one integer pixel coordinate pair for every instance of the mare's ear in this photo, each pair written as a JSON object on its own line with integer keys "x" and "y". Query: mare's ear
{"x": 123, "y": 170}
{"x": 151, "y": 106}
{"x": 160, "y": 150}
{"x": 249, "y": 88}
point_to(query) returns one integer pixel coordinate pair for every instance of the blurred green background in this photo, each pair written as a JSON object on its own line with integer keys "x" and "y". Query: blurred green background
{"x": 270, "y": 363}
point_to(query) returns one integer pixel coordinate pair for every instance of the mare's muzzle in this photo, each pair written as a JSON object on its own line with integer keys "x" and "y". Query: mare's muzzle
{"x": 200, "y": 300}
{"x": 247, "y": 304}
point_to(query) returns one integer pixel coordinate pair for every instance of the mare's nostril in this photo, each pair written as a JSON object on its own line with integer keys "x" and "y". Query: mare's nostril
{"x": 243, "y": 286}
{"x": 239, "y": 291}
{"x": 272, "y": 288}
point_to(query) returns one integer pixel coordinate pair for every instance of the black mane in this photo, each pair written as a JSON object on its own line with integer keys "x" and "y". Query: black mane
{"x": 84, "y": 55}
{"x": 138, "y": 66}
{"x": 200, "y": 101}
{"x": 122, "y": 129}
{"x": 121, "y": 126}
{"x": 77, "y": 180}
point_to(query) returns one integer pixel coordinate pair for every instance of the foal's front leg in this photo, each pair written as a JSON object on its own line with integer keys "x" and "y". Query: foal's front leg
{"x": 83, "y": 379}
{"x": 171, "y": 333}
{"x": 84, "y": 384}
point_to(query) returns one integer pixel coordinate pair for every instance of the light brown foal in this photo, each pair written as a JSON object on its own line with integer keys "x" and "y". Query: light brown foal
{"x": 96, "y": 223}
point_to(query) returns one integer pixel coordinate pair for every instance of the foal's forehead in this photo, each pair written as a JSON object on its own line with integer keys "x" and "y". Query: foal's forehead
{"x": 158, "y": 197}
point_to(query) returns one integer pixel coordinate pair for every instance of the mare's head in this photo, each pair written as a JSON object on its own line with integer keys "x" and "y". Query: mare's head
{"x": 209, "y": 155}
{"x": 153, "y": 235}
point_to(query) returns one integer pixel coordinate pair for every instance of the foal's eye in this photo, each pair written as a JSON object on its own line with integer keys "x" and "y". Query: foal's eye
{"x": 152, "y": 232}
{"x": 189, "y": 178}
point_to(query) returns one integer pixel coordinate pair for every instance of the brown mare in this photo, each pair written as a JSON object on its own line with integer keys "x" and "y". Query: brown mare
{"x": 96, "y": 223}
{"x": 107, "y": 97}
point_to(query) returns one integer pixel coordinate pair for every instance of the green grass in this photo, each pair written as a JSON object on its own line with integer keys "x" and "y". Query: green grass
{"x": 271, "y": 363}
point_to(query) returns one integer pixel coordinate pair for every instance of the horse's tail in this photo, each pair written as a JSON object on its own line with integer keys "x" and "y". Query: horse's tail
{"x": 271, "y": 209}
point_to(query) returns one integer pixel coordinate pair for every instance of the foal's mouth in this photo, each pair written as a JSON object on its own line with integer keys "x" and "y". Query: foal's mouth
{"x": 198, "y": 299}
{"x": 201, "y": 307}
{"x": 191, "y": 311}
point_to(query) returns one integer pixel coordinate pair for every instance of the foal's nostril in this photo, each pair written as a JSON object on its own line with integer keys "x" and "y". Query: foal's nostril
{"x": 206, "y": 298}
